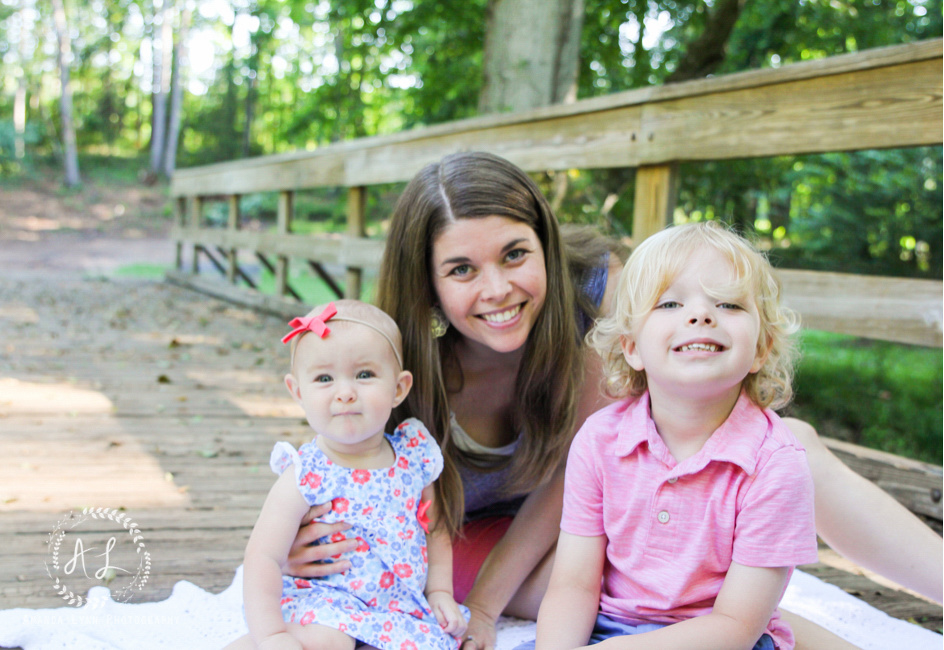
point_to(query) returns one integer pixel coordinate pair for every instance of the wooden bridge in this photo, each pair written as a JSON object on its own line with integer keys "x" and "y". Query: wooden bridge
{"x": 164, "y": 403}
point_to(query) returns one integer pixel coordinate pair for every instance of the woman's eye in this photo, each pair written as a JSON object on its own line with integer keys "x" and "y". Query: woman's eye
{"x": 461, "y": 270}
{"x": 365, "y": 374}
{"x": 323, "y": 379}
{"x": 516, "y": 254}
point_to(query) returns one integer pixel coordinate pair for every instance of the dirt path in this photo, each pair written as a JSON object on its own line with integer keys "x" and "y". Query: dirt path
{"x": 95, "y": 231}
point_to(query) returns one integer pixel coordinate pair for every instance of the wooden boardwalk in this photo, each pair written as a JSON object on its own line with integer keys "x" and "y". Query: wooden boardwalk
{"x": 164, "y": 404}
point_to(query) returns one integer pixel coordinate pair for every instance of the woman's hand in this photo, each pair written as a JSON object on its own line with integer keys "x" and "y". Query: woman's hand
{"x": 480, "y": 635}
{"x": 306, "y": 559}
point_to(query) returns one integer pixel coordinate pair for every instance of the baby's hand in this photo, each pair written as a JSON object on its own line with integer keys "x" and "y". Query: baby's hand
{"x": 447, "y": 612}
{"x": 280, "y": 641}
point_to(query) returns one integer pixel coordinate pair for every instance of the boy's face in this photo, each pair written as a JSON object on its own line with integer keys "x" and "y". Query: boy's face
{"x": 694, "y": 345}
{"x": 347, "y": 384}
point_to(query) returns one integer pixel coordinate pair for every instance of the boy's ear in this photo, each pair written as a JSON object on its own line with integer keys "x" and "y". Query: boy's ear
{"x": 292, "y": 385}
{"x": 404, "y": 384}
{"x": 630, "y": 352}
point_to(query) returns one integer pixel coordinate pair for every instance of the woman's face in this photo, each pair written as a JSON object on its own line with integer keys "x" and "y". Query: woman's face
{"x": 491, "y": 281}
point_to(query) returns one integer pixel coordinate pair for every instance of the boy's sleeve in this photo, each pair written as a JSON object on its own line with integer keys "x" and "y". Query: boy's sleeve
{"x": 583, "y": 496}
{"x": 775, "y": 524}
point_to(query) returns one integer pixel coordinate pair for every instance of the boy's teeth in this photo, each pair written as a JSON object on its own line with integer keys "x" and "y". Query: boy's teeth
{"x": 501, "y": 317}
{"x": 700, "y": 347}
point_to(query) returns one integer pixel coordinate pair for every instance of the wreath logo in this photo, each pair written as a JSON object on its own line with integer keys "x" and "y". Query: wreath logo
{"x": 108, "y": 556}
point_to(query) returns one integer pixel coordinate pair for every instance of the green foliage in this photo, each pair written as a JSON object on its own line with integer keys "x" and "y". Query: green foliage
{"x": 867, "y": 212}
{"x": 880, "y": 395}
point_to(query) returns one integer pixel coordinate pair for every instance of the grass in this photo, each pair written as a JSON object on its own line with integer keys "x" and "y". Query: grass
{"x": 881, "y": 395}
{"x": 141, "y": 271}
{"x": 311, "y": 288}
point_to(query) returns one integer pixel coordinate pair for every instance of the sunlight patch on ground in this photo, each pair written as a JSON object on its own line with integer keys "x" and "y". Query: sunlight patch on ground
{"x": 23, "y": 397}
{"x": 34, "y": 223}
{"x": 47, "y": 468}
{"x": 18, "y": 313}
{"x": 262, "y": 406}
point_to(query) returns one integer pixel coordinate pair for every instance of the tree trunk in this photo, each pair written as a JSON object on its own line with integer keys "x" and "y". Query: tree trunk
{"x": 707, "y": 52}
{"x": 161, "y": 54}
{"x": 176, "y": 93}
{"x": 532, "y": 50}
{"x": 70, "y": 153}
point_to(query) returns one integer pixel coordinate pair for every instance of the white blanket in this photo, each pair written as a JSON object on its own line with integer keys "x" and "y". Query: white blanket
{"x": 194, "y": 618}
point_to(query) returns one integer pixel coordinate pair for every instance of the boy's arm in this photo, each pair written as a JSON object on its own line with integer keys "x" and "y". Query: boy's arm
{"x": 266, "y": 551}
{"x": 742, "y": 610}
{"x": 569, "y": 609}
{"x": 439, "y": 574}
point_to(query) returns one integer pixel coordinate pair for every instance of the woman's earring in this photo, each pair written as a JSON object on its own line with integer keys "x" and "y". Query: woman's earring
{"x": 438, "y": 323}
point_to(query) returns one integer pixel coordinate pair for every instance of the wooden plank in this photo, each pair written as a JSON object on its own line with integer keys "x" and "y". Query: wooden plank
{"x": 274, "y": 305}
{"x": 891, "y": 309}
{"x": 916, "y": 485}
{"x": 883, "y": 98}
{"x": 339, "y": 249}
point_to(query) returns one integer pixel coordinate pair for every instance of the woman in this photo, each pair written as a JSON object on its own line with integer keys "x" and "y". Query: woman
{"x": 493, "y": 301}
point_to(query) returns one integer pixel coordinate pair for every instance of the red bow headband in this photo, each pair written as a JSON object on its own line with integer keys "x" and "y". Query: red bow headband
{"x": 319, "y": 325}
{"x": 316, "y": 324}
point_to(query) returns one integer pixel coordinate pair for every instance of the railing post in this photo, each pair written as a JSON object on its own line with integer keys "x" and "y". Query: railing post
{"x": 283, "y": 227}
{"x": 196, "y": 216}
{"x": 232, "y": 224}
{"x": 180, "y": 211}
{"x": 656, "y": 190}
{"x": 356, "y": 227}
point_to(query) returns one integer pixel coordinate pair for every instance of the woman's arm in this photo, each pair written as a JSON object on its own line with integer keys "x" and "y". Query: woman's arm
{"x": 740, "y": 615}
{"x": 570, "y": 607}
{"x": 266, "y": 551}
{"x": 513, "y": 578}
{"x": 307, "y": 559}
{"x": 867, "y": 525}
{"x": 439, "y": 576}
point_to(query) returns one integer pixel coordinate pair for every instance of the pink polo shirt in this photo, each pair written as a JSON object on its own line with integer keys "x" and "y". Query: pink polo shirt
{"x": 673, "y": 529}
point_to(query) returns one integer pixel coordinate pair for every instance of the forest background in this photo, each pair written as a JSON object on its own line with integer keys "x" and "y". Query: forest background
{"x": 125, "y": 91}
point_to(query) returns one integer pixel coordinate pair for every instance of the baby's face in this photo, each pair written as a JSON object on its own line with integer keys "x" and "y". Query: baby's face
{"x": 347, "y": 383}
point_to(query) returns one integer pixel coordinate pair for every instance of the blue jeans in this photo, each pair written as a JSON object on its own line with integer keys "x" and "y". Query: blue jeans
{"x": 607, "y": 628}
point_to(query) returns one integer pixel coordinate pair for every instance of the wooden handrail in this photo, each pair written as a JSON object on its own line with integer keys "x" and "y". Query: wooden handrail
{"x": 882, "y": 98}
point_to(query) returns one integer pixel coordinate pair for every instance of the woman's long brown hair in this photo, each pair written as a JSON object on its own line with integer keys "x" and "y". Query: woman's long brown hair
{"x": 472, "y": 186}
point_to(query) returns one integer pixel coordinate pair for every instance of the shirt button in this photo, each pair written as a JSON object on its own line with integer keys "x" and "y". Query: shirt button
{"x": 673, "y": 479}
{"x": 663, "y": 517}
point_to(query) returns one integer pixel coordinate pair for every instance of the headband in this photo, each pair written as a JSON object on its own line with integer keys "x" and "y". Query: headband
{"x": 318, "y": 325}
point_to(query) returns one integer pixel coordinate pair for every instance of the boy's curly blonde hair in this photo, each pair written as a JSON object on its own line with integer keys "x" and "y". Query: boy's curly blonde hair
{"x": 655, "y": 264}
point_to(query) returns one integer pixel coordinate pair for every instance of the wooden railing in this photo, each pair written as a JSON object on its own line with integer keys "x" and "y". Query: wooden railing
{"x": 883, "y": 98}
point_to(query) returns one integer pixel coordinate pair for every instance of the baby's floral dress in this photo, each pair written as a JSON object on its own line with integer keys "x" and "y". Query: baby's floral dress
{"x": 380, "y": 600}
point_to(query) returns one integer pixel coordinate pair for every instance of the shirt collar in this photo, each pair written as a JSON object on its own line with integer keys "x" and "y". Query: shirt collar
{"x": 736, "y": 441}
